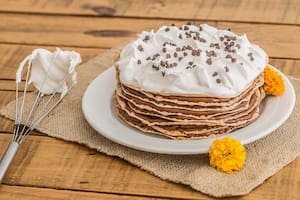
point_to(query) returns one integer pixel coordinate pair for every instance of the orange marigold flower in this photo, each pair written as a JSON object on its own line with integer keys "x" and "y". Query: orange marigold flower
{"x": 227, "y": 154}
{"x": 274, "y": 84}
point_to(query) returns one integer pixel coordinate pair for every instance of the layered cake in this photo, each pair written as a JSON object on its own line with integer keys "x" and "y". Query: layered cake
{"x": 189, "y": 82}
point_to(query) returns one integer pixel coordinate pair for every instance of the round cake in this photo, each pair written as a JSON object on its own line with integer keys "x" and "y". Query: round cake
{"x": 189, "y": 82}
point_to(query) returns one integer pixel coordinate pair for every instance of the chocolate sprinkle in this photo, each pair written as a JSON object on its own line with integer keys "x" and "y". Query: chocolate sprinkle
{"x": 180, "y": 58}
{"x": 167, "y": 29}
{"x": 155, "y": 67}
{"x": 221, "y": 38}
{"x": 238, "y": 46}
{"x": 140, "y": 48}
{"x": 209, "y": 61}
{"x": 218, "y": 80}
{"x": 194, "y": 52}
{"x": 175, "y": 54}
{"x": 168, "y": 56}
{"x": 251, "y": 56}
{"x": 185, "y": 54}
{"x": 202, "y": 40}
{"x": 163, "y": 73}
{"x": 186, "y": 28}
{"x": 178, "y": 49}
{"x": 147, "y": 37}
{"x": 148, "y": 58}
{"x": 226, "y": 69}
{"x": 215, "y": 74}
{"x": 191, "y": 63}
{"x": 216, "y": 45}
{"x": 210, "y": 53}
{"x": 164, "y": 50}
{"x": 139, "y": 62}
{"x": 180, "y": 36}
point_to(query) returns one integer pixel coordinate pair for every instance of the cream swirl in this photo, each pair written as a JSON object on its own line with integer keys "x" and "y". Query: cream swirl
{"x": 191, "y": 60}
{"x": 49, "y": 70}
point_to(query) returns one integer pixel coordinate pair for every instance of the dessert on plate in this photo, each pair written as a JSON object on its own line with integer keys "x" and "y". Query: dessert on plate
{"x": 189, "y": 82}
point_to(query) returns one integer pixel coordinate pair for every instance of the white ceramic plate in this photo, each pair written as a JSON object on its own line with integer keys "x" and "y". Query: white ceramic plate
{"x": 98, "y": 109}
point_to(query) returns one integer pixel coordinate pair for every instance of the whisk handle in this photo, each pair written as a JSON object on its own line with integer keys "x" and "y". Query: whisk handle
{"x": 7, "y": 158}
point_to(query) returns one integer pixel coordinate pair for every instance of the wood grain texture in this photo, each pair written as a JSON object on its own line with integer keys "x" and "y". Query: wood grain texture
{"x": 31, "y": 193}
{"x": 48, "y": 168}
{"x": 41, "y": 163}
{"x": 263, "y": 11}
{"x": 278, "y": 40}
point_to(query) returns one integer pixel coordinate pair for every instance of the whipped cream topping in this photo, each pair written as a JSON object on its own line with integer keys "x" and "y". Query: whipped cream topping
{"x": 49, "y": 70}
{"x": 191, "y": 60}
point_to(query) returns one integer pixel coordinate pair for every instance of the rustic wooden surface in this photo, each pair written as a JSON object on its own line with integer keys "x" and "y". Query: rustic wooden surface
{"x": 41, "y": 171}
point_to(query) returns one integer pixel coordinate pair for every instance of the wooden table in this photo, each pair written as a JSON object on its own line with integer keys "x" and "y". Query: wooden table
{"x": 48, "y": 168}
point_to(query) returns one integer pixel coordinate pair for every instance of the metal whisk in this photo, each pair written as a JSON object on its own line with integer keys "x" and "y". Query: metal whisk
{"x": 27, "y": 118}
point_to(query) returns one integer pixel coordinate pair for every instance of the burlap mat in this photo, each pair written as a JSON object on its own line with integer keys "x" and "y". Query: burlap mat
{"x": 264, "y": 157}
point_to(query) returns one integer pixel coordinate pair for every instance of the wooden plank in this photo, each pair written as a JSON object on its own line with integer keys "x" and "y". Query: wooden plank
{"x": 10, "y": 85}
{"x": 31, "y": 193}
{"x": 287, "y": 66}
{"x": 12, "y": 55}
{"x": 41, "y": 163}
{"x": 266, "y": 11}
{"x": 278, "y": 40}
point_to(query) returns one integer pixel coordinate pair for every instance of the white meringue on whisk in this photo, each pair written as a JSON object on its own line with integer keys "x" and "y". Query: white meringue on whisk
{"x": 49, "y": 69}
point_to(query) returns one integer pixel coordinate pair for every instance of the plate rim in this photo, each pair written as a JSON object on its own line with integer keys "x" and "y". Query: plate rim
{"x": 269, "y": 130}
